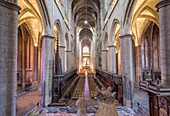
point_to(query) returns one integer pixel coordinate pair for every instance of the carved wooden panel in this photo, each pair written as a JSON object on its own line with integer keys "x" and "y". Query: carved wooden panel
{"x": 163, "y": 112}
{"x": 163, "y": 104}
{"x": 156, "y": 110}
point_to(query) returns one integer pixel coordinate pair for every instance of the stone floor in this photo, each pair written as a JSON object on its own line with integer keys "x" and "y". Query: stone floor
{"x": 142, "y": 98}
{"x": 26, "y": 101}
{"x": 91, "y": 110}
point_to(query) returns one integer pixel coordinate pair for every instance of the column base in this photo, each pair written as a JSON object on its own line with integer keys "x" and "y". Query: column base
{"x": 129, "y": 103}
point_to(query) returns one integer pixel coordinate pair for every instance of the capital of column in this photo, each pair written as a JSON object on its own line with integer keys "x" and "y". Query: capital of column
{"x": 125, "y": 36}
{"x": 162, "y": 3}
{"x": 47, "y": 37}
{"x": 9, "y": 5}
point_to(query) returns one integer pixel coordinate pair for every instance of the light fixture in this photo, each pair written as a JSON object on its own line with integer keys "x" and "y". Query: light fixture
{"x": 85, "y": 22}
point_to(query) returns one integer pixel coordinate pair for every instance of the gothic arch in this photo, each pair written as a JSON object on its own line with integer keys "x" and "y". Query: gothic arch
{"x": 25, "y": 56}
{"x": 58, "y": 32}
{"x": 115, "y": 23}
{"x": 31, "y": 15}
{"x": 141, "y": 14}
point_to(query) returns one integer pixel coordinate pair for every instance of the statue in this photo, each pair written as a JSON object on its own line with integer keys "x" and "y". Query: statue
{"x": 107, "y": 105}
{"x": 82, "y": 107}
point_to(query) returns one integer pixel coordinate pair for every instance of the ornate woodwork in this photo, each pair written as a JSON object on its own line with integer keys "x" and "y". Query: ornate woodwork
{"x": 112, "y": 80}
{"x": 61, "y": 81}
{"x": 159, "y": 100}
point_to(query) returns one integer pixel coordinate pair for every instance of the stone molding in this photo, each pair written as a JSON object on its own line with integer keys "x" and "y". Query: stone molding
{"x": 125, "y": 35}
{"x": 68, "y": 51}
{"x": 111, "y": 46}
{"x": 163, "y": 3}
{"x": 60, "y": 46}
{"x": 104, "y": 50}
{"x": 47, "y": 37}
{"x": 9, "y": 5}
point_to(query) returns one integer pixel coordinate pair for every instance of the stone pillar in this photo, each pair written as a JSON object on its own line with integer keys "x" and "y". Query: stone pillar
{"x": 69, "y": 59}
{"x": 35, "y": 64}
{"x": 73, "y": 60}
{"x": 112, "y": 59}
{"x": 62, "y": 56}
{"x": 100, "y": 60}
{"x": 164, "y": 11}
{"x": 94, "y": 64}
{"x": 47, "y": 67}
{"x": 104, "y": 59}
{"x": 105, "y": 6}
{"x": 69, "y": 15}
{"x": 8, "y": 56}
{"x": 23, "y": 80}
{"x": 39, "y": 64}
{"x": 96, "y": 61}
{"x": 78, "y": 61}
{"x": 127, "y": 61}
{"x": 138, "y": 64}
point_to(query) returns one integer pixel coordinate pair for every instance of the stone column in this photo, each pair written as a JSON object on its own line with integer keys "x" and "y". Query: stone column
{"x": 127, "y": 61}
{"x": 69, "y": 16}
{"x": 94, "y": 64}
{"x": 104, "y": 59}
{"x": 164, "y": 11}
{"x": 100, "y": 60}
{"x": 8, "y": 56}
{"x": 35, "y": 64}
{"x": 23, "y": 80}
{"x": 69, "y": 59}
{"x": 138, "y": 64}
{"x": 47, "y": 67}
{"x": 96, "y": 61}
{"x": 62, "y": 56}
{"x": 112, "y": 59}
{"x": 78, "y": 61}
{"x": 105, "y": 6}
{"x": 73, "y": 60}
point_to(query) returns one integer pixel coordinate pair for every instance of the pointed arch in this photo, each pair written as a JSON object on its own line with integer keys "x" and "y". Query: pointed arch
{"x": 115, "y": 27}
{"x": 58, "y": 30}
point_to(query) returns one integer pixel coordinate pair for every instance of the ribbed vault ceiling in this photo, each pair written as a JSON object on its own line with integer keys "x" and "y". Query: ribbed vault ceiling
{"x": 86, "y": 36}
{"x": 88, "y": 10}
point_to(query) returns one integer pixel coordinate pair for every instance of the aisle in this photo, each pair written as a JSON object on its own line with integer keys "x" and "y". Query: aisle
{"x": 27, "y": 101}
{"x": 86, "y": 88}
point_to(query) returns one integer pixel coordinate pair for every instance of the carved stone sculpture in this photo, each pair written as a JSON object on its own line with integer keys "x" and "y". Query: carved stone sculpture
{"x": 82, "y": 107}
{"x": 107, "y": 105}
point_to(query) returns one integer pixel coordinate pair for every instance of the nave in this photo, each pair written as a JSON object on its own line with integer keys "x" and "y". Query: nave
{"x": 85, "y": 88}
{"x": 55, "y": 53}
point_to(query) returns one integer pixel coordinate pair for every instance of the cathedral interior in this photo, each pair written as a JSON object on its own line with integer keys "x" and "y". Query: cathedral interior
{"x": 84, "y": 57}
